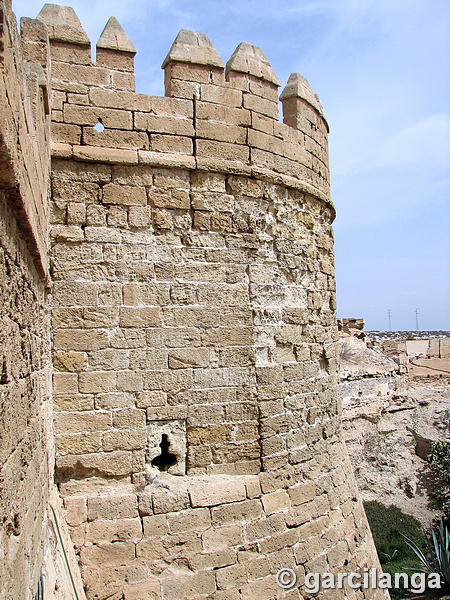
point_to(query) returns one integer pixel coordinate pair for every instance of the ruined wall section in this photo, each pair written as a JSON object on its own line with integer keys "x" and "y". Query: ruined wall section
{"x": 194, "y": 304}
{"x": 26, "y": 424}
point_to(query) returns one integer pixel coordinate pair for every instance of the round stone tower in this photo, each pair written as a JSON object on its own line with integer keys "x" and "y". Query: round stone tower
{"x": 199, "y": 448}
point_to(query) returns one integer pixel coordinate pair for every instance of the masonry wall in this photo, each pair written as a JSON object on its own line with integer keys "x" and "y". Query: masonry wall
{"x": 194, "y": 332}
{"x": 26, "y": 440}
{"x": 198, "y": 444}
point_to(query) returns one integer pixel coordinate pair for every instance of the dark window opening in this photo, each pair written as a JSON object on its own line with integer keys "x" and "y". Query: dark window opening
{"x": 166, "y": 459}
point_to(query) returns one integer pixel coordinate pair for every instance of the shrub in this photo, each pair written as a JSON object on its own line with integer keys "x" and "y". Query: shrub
{"x": 388, "y": 525}
{"x": 439, "y": 461}
{"x": 439, "y": 559}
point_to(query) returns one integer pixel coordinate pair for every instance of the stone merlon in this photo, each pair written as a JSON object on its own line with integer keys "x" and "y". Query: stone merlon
{"x": 252, "y": 60}
{"x": 63, "y": 24}
{"x": 113, "y": 37}
{"x": 298, "y": 87}
{"x": 193, "y": 47}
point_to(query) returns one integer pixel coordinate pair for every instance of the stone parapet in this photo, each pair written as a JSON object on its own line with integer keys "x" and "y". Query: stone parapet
{"x": 219, "y": 119}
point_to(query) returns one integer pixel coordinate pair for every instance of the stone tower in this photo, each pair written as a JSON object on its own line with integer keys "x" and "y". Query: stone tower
{"x": 198, "y": 441}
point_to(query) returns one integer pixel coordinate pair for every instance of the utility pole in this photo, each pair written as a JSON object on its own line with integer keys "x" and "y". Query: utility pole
{"x": 389, "y": 319}
{"x": 417, "y": 319}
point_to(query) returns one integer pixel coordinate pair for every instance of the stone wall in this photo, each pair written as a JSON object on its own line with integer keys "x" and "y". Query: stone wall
{"x": 197, "y": 417}
{"x": 196, "y": 405}
{"x": 26, "y": 448}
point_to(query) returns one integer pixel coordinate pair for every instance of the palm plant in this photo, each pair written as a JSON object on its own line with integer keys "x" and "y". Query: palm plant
{"x": 440, "y": 562}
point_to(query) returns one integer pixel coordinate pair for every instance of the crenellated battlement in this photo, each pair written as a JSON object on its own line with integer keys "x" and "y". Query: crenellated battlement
{"x": 213, "y": 116}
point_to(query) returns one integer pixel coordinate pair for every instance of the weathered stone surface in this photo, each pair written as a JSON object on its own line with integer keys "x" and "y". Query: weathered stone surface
{"x": 113, "y": 37}
{"x": 198, "y": 446}
{"x": 63, "y": 24}
{"x": 252, "y": 60}
{"x": 191, "y": 47}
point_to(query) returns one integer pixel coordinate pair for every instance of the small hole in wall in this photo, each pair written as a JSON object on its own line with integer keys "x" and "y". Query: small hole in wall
{"x": 99, "y": 126}
{"x": 166, "y": 459}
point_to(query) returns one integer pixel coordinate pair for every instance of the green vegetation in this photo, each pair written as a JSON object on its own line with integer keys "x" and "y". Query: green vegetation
{"x": 439, "y": 461}
{"x": 439, "y": 561}
{"x": 388, "y": 525}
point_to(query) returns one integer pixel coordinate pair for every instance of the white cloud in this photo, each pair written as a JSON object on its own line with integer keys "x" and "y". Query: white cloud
{"x": 425, "y": 143}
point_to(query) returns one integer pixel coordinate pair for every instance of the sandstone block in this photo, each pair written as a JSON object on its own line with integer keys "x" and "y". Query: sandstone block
{"x": 265, "y": 528}
{"x": 196, "y": 519}
{"x": 105, "y": 155}
{"x": 151, "y": 399}
{"x": 112, "y": 507}
{"x": 302, "y": 493}
{"x": 222, "y": 150}
{"x": 188, "y": 357}
{"x": 119, "y": 99}
{"x": 100, "y": 317}
{"x": 115, "y": 138}
{"x": 90, "y": 115}
{"x": 140, "y": 317}
{"x": 114, "y": 554}
{"x": 165, "y": 501}
{"x": 222, "y": 538}
{"x": 113, "y": 400}
{"x": 223, "y": 114}
{"x": 129, "y": 381}
{"x": 237, "y": 512}
{"x": 139, "y": 217}
{"x": 109, "y": 464}
{"x": 229, "y": 577}
{"x": 73, "y": 402}
{"x": 255, "y": 103}
{"x": 275, "y": 502}
{"x": 213, "y": 560}
{"x": 65, "y": 383}
{"x": 117, "y": 530}
{"x": 221, "y": 132}
{"x": 69, "y": 361}
{"x": 76, "y": 422}
{"x": 76, "y": 510}
{"x": 67, "y": 233}
{"x": 108, "y": 360}
{"x": 129, "y": 418}
{"x": 97, "y": 382}
{"x": 163, "y": 124}
{"x": 87, "y": 75}
{"x": 78, "y": 443}
{"x": 216, "y": 490}
{"x": 65, "y": 133}
{"x": 168, "y": 199}
{"x": 155, "y": 525}
{"x": 171, "y": 143}
{"x": 123, "y": 81}
{"x": 76, "y": 213}
{"x": 124, "y": 195}
{"x": 221, "y": 95}
{"x": 209, "y": 434}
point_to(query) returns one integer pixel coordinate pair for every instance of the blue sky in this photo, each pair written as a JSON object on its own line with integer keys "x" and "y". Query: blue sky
{"x": 381, "y": 70}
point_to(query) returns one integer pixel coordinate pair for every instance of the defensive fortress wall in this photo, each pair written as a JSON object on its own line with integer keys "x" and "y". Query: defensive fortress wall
{"x": 26, "y": 441}
{"x": 195, "y": 389}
